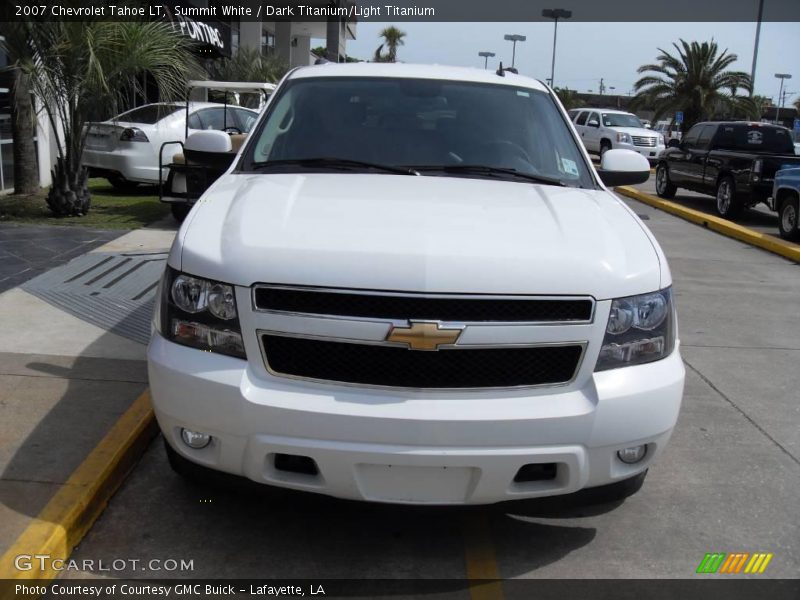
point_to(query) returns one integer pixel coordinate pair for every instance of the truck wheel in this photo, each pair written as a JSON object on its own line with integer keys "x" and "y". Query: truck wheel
{"x": 605, "y": 146}
{"x": 787, "y": 219}
{"x": 179, "y": 211}
{"x": 727, "y": 204}
{"x": 121, "y": 184}
{"x": 664, "y": 187}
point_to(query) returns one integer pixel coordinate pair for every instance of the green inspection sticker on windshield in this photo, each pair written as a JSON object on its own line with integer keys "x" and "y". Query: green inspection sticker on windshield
{"x": 570, "y": 167}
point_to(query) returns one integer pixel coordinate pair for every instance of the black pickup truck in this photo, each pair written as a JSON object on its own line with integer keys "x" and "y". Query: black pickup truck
{"x": 734, "y": 161}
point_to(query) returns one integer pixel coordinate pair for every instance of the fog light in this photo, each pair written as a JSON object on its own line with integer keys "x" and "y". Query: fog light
{"x": 632, "y": 455}
{"x": 195, "y": 439}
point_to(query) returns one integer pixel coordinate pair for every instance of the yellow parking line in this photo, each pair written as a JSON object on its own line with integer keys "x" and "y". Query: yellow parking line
{"x": 481, "y": 564}
{"x": 72, "y": 511}
{"x": 718, "y": 224}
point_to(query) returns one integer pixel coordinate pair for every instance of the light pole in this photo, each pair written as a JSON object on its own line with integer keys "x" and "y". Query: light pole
{"x": 555, "y": 14}
{"x": 782, "y": 77}
{"x": 486, "y": 56}
{"x": 755, "y": 47}
{"x": 514, "y": 37}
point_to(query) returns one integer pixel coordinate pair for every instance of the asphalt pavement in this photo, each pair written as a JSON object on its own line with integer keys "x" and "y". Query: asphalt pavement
{"x": 760, "y": 217}
{"x": 729, "y": 481}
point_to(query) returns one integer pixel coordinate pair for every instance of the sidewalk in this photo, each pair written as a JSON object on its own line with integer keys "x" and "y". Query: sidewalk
{"x": 64, "y": 380}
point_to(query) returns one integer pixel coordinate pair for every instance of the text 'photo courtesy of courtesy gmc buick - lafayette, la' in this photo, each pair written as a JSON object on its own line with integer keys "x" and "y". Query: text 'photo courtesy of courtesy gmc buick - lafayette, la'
{"x": 412, "y": 286}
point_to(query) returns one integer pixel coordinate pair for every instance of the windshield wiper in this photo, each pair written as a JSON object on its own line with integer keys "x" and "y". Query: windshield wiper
{"x": 491, "y": 172}
{"x": 331, "y": 163}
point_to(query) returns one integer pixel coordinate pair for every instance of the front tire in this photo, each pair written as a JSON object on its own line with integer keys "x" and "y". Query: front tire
{"x": 123, "y": 185}
{"x": 664, "y": 187}
{"x": 179, "y": 211}
{"x": 787, "y": 219}
{"x": 605, "y": 146}
{"x": 728, "y": 206}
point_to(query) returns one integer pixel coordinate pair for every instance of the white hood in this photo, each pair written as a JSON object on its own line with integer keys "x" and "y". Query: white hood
{"x": 426, "y": 234}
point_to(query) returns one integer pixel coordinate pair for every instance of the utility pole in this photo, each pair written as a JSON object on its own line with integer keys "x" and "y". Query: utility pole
{"x": 602, "y": 87}
{"x": 783, "y": 77}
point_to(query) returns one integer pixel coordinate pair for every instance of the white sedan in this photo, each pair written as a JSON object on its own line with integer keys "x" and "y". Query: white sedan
{"x": 125, "y": 149}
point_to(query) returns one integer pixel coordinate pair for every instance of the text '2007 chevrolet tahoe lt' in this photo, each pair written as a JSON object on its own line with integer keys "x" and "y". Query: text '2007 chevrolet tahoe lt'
{"x": 411, "y": 286}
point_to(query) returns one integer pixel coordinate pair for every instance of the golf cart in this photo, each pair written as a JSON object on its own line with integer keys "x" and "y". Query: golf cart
{"x": 208, "y": 151}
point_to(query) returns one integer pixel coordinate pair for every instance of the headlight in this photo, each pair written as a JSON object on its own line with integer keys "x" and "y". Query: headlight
{"x": 640, "y": 329}
{"x": 199, "y": 313}
{"x": 661, "y": 141}
{"x": 624, "y": 138}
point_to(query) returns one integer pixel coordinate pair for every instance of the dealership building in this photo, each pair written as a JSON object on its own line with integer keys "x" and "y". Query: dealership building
{"x": 215, "y": 37}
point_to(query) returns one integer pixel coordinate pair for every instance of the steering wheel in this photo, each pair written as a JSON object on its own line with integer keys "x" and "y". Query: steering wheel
{"x": 504, "y": 145}
{"x": 233, "y": 131}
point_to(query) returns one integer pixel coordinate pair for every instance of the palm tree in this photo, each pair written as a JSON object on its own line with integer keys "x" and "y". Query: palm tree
{"x": 23, "y": 119}
{"x": 695, "y": 81}
{"x": 393, "y": 38}
{"x": 569, "y": 98}
{"x": 80, "y": 69}
{"x": 248, "y": 64}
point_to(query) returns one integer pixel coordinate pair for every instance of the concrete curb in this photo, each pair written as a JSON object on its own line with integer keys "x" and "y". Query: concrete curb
{"x": 718, "y": 224}
{"x": 69, "y": 515}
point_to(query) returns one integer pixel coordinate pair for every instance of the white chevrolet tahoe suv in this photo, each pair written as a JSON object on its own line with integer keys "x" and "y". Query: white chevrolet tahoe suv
{"x": 412, "y": 286}
{"x": 605, "y": 129}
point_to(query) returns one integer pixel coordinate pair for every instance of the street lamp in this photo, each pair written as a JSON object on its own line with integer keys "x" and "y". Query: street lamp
{"x": 555, "y": 14}
{"x": 486, "y": 56}
{"x": 514, "y": 37}
{"x": 782, "y": 77}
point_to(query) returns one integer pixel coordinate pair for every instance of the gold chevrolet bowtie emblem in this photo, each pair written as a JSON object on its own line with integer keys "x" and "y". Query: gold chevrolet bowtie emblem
{"x": 423, "y": 336}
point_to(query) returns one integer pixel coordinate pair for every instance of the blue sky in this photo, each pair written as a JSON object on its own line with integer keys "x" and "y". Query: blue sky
{"x": 589, "y": 51}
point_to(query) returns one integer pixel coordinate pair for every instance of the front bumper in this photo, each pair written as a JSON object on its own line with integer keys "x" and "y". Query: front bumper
{"x": 651, "y": 153}
{"x": 138, "y": 164}
{"x": 412, "y": 447}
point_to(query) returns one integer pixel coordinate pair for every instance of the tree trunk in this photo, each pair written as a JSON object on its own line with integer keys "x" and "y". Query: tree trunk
{"x": 69, "y": 195}
{"x": 23, "y": 130}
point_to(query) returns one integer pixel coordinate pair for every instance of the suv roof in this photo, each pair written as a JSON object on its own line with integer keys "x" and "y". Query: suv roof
{"x": 416, "y": 72}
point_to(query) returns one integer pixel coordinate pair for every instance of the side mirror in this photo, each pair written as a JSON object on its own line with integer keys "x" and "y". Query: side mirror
{"x": 673, "y": 143}
{"x": 623, "y": 167}
{"x": 593, "y": 123}
{"x": 209, "y": 141}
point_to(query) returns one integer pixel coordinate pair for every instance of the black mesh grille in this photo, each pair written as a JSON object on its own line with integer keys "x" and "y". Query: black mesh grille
{"x": 421, "y": 307}
{"x": 399, "y": 367}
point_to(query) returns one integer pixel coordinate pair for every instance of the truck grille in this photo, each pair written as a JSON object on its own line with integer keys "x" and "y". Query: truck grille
{"x": 389, "y": 366}
{"x": 648, "y": 142}
{"x": 379, "y": 305}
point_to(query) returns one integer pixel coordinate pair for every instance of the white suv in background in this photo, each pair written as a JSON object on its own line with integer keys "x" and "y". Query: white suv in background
{"x": 607, "y": 129}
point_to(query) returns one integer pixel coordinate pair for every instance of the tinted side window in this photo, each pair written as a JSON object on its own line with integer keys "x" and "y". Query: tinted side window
{"x": 708, "y": 131}
{"x": 214, "y": 118}
{"x": 755, "y": 138}
{"x": 194, "y": 122}
{"x": 245, "y": 118}
{"x": 691, "y": 138}
{"x": 582, "y": 118}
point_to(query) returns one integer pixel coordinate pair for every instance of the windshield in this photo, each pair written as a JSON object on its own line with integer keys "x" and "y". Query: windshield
{"x": 444, "y": 127}
{"x": 621, "y": 120}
